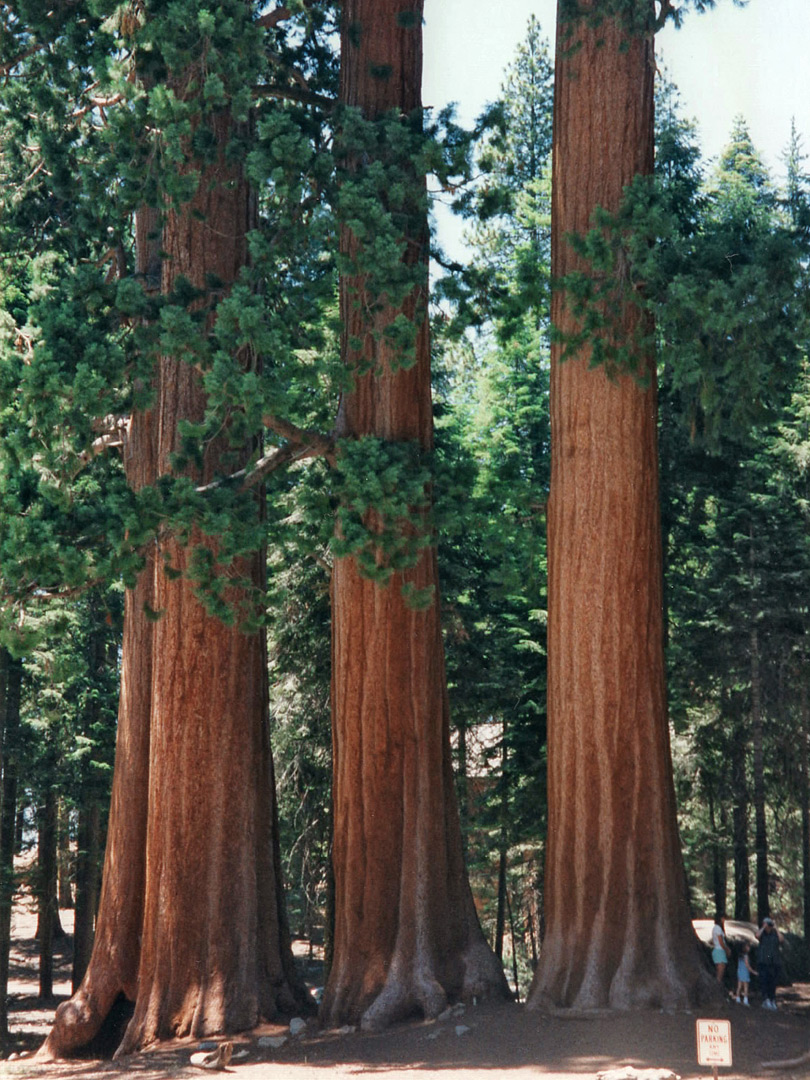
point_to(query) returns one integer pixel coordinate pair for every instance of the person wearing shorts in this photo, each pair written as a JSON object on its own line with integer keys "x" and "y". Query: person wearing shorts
{"x": 720, "y": 950}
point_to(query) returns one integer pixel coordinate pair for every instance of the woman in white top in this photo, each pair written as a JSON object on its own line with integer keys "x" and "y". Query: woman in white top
{"x": 720, "y": 949}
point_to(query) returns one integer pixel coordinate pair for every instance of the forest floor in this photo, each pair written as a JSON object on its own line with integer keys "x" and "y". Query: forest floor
{"x": 485, "y": 1042}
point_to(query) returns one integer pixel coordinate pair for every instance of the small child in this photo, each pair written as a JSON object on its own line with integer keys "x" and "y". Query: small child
{"x": 744, "y": 973}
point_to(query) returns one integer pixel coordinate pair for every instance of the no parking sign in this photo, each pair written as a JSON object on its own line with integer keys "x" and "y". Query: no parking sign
{"x": 714, "y": 1043}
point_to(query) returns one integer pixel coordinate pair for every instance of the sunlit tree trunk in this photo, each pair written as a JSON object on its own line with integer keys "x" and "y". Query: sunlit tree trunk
{"x": 407, "y": 939}
{"x": 618, "y": 931}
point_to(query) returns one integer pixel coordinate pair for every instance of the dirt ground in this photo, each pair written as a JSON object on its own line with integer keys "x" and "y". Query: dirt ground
{"x": 484, "y": 1042}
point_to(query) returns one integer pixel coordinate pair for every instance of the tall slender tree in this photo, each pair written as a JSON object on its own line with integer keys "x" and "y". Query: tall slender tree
{"x": 407, "y": 937}
{"x": 618, "y": 930}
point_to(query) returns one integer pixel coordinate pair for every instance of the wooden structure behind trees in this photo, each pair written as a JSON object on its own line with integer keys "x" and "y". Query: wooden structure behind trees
{"x": 618, "y": 931}
{"x": 407, "y": 938}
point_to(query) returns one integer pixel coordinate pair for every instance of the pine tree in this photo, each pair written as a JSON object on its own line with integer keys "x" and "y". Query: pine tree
{"x": 723, "y": 519}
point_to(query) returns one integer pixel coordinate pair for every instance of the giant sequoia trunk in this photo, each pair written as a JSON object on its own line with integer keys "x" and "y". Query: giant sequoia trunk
{"x": 407, "y": 938}
{"x": 191, "y": 925}
{"x": 618, "y": 931}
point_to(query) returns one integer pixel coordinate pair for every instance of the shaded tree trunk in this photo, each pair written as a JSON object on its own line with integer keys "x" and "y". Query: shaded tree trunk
{"x": 514, "y": 943}
{"x": 407, "y": 938}
{"x": 64, "y": 889}
{"x": 89, "y": 831}
{"x": 87, "y": 881}
{"x": 46, "y": 889}
{"x": 739, "y": 818}
{"x": 804, "y": 799}
{"x": 8, "y": 825}
{"x": 760, "y": 826}
{"x": 500, "y": 912}
{"x": 618, "y": 930}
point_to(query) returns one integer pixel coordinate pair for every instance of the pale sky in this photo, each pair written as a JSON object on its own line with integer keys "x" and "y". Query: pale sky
{"x": 753, "y": 61}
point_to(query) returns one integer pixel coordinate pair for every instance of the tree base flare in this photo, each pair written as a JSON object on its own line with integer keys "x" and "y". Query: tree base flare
{"x": 87, "y": 1025}
{"x": 417, "y": 989}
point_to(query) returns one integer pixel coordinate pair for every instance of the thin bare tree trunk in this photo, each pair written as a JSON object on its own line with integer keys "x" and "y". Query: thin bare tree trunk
{"x": 65, "y": 857}
{"x": 618, "y": 930}
{"x": 87, "y": 880}
{"x": 804, "y": 736}
{"x": 760, "y": 825}
{"x": 8, "y": 826}
{"x": 46, "y": 890}
{"x": 739, "y": 819}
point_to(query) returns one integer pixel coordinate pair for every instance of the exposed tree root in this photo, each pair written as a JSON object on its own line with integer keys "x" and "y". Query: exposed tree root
{"x": 421, "y": 986}
{"x": 78, "y": 1022}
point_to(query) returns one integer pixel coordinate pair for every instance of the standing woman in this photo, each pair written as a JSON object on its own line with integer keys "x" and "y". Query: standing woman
{"x": 720, "y": 949}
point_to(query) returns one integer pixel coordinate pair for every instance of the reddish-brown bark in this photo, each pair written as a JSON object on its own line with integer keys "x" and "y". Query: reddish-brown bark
{"x": 407, "y": 937}
{"x": 191, "y": 926}
{"x": 618, "y": 931}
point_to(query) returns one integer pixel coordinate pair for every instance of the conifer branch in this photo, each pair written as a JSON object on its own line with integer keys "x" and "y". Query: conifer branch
{"x": 280, "y": 14}
{"x": 8, "y": 67}
{"x": 295, "y": 93}
{"x": 320, "y": 444}
{"x": 301, "y": 444}
{"x": 273, "y": 18}
{"x": 667, "y": 9}
{"x": 113, "y": 432}
{"x": 97, "y": 103}
{"x": 297, "y": 76}
{"x": 24, "y": 340}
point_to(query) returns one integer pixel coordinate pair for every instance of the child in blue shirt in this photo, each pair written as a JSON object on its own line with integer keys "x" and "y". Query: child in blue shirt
{"x": 744, "y": 973}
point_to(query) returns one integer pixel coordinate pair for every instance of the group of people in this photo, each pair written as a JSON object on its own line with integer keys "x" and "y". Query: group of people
{"x": 767, "y": 971}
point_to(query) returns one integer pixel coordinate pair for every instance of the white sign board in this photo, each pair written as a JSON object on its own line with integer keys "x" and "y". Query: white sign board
{"x": 714, "y": 1042}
